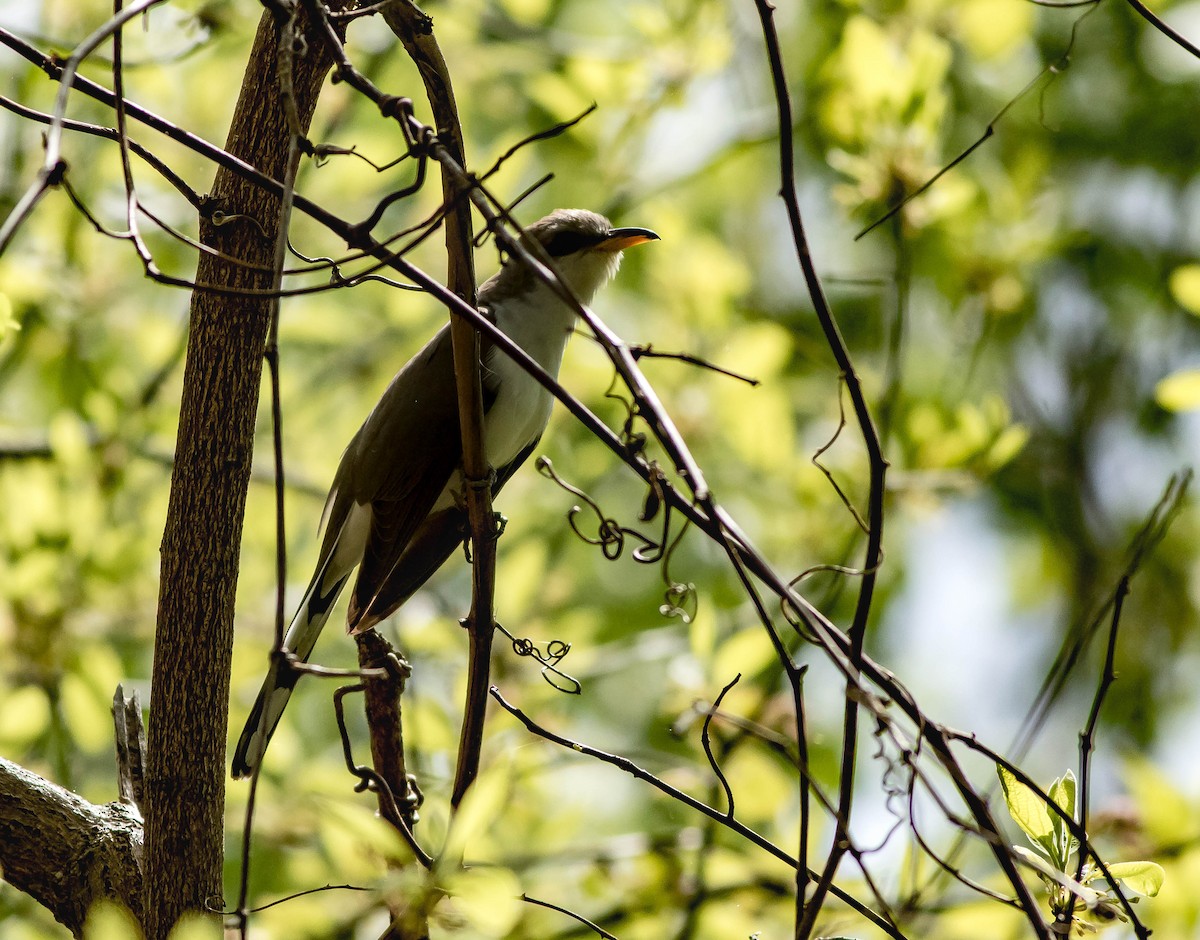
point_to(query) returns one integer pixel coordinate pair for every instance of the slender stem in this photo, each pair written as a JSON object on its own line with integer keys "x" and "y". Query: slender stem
{"x": 1087, "y": 737}
{"x": 877, "y": 464}
{"x": 679, "y": 796}
{"x": 415, "y": 31}
{"x": 1178, "y": 38}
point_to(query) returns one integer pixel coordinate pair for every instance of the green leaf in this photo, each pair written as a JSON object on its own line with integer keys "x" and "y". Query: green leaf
{"x": 1006, "y": 446}
{"x": 1164, "y": 810}
{"x": 1028, "y": 810}
{"x": 24, "y": 716}
{"x": 7, "y": 320}
{"x": 483, "y": 804}
{"x": 354, "y": 837}
{"x": 993, "y": 28}
{"x": 1037, "y": 862}
{"x": 748, "y": 651}
{"x": 1185, "y": 287}
{"x": 1062, "y": 792}
{"x": 1179, "y": 391}
{"x": 528, "y": 11}
{"x": 195, "y": 927}
{"x": 1143, "y": 877}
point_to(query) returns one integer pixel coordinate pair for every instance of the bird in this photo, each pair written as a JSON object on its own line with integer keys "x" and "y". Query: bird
{"x": 396, "y": 508}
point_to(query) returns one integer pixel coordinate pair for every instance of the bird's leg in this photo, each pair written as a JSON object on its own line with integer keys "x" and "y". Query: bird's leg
{"x": 499, "y": 524}
{"x": 499, "y": 521}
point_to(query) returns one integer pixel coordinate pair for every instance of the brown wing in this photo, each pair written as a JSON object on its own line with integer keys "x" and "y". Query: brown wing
{"x": 399, "y": 462}
{"x": 435, "y": 540}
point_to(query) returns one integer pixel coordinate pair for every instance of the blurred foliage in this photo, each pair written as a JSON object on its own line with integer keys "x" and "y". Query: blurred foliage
{"x": 1026, "y": 328}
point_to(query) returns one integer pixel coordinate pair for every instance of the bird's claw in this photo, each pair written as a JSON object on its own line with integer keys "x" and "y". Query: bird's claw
{"x": 499, "y": 524}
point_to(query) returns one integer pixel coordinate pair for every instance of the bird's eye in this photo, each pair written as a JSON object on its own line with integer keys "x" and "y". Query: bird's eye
{"x": 569, "y": 241}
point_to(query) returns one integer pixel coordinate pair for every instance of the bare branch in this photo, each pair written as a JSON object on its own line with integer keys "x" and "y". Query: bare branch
{"x": 65, "y": 852}
{"x": 678, "y": 795}
{"x": 1148, "y": 15}
{"x": 131, "y": 748}
{"x": 598, "y": 930}
{"x": 1049, "y": 72}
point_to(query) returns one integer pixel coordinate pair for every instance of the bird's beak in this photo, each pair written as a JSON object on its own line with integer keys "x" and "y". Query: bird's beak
{"x": 621, "y": 238}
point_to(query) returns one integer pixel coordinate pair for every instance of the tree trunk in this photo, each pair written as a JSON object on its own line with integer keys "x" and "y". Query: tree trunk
{"x": 189, "y": 703}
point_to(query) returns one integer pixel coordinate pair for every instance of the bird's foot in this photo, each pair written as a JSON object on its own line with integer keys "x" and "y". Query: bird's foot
{"x": 499, "y": 524}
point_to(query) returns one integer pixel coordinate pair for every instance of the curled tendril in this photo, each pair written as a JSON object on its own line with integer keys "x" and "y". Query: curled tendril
{"x": 321, "y": 153}
{"x": 634, "y": 441}
{"x": 555, "y": 652}
{"x": 219, "y": 218}
{"x": 609, "y": 534}
{"x": 680, "y": 599}
{"x": 788, "y": 608}
{"x": 338, "y": 279}
{"x": 820, "y": 452}
{"x": 794, "y": 617}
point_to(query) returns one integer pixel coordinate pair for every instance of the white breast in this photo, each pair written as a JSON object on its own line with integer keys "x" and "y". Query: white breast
{"x": 540, "y": 324}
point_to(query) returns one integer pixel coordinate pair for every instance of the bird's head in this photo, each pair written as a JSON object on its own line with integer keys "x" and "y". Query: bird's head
{"x": 584, "y": 246}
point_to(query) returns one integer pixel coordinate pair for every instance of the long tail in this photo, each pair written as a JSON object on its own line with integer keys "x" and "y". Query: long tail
{"x": 277, "y": 688}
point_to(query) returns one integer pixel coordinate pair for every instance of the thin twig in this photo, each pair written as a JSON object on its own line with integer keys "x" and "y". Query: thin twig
{"x": 1148, "y": 15}
{"x": 877, "y": 465}
{"x": 307, "y": 891}
{"x": 649, "y": 352}
{"x": 1085, "y": 846}
{"x": 547, "y": 134}
{"x": 1049, "y": 71}
{"x": 1087, "y": 737}
{"x": 271, "y": 356}
{"x": 389, "y": 806}
{"x": 706, "y": 742}
{"x": 131, "y": 200}
{"x": 623, "y": 763}
{"x": 600, "y": 931}
{"x": 1153, "y": 530}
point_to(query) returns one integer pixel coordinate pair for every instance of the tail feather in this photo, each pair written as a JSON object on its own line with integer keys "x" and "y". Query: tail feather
{"x": 277, "y": 687}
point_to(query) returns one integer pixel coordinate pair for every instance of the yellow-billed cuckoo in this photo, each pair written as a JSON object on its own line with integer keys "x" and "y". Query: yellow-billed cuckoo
{"x": 395, "y": 509}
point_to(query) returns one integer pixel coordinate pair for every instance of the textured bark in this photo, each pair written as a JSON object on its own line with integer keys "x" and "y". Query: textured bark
{"x": 189, "y": 702}
{"x": 65, "y": 852}
{"x": 383, "y": 700}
